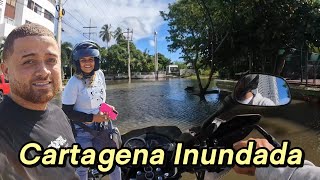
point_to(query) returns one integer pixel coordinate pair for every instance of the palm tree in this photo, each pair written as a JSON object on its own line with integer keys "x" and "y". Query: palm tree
{"x": 66, "y": 50}
{"x": 105, "y": 33}
{"x": 119, "y": 35}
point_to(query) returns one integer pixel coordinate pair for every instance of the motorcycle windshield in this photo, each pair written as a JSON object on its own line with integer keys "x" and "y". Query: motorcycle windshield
{"x": 171, "y": 132}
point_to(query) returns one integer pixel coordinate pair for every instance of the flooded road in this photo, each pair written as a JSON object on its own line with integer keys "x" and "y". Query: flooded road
{"x": 142, "y": 104}
{"x": 165, "y": 102}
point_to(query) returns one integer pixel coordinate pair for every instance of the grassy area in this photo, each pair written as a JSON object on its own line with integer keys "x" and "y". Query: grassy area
{"x": 194, "y": 77}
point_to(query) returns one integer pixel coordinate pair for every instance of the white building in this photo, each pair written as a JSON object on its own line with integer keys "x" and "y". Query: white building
{"x": 267, "y": 87}
{"x": 14, "y": 13}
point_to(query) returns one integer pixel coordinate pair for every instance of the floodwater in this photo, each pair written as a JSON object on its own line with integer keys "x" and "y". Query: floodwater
{"x": 165, "y": 102}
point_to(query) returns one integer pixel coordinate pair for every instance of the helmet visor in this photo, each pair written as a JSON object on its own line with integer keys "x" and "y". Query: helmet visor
{"x": 86, "y": 53}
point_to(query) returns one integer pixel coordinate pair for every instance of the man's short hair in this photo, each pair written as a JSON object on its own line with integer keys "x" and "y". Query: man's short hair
{"x": 28, "y": 29}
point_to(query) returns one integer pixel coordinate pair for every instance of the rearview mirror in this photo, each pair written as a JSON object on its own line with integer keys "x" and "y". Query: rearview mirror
{"x": 262, "y": 90}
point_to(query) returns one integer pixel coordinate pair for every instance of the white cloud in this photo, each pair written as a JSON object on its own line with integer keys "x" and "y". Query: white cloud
{"x": 142, "y": 16}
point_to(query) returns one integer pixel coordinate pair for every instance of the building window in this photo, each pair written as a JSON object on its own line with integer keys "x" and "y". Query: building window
{"x": 37, "y": 8}
{"x": 48, "y": 15}
{"x": 12, "y": 2}
{"x": 30, "y": 4}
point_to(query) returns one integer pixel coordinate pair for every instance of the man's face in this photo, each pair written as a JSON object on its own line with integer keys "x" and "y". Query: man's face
{"x": 34, "y": 69}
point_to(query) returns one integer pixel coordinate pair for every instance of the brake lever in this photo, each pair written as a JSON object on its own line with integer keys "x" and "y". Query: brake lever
{"x": 272, "y": 140}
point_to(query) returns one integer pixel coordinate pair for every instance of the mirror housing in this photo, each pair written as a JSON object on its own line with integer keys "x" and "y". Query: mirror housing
{"x": 262, "y": 90}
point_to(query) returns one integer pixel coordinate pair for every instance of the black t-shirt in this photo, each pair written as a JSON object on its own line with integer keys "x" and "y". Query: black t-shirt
{"x": 18, "y": 126}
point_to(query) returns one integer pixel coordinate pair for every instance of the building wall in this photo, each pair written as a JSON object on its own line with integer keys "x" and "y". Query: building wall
{"x": 5, "y": 29}
{"x": 2, "y": 7}
{"x": 24, "y": 14}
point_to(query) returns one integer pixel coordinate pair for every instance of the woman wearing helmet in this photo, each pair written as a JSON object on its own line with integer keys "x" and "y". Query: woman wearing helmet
{"x": 82, "y": 96}
{"x": 245, "y": 92}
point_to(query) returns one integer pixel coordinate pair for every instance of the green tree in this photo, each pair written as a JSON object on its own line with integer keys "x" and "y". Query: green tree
{"x": 105, "y": 33}
{"x": 116, "y": 59}
{"x": 66, "y": 50}
{"x": 192, "y": 32}
{"x": 118, "y": 35}
{"x": 261, "y": 28}
{"x": 103, "y": 62}
{"x": 163, "y": 61}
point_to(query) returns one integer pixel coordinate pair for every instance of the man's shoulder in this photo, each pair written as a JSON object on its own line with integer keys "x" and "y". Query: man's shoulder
{"x": 6, "y": 107}
{"x": 54, "y": 108}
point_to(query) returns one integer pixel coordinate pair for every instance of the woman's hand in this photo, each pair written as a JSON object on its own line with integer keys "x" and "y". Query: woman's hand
{"x": 107, "y": 115}
{"x": 100, "y": 117}
{"x": 241, "y": 144}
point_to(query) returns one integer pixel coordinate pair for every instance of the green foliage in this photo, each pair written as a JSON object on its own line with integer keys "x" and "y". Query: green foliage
{"x": 105, "y": 33}
{"x": 181, "y": 65}
{"x": 235, "y": 36}
{"x": 115, "y": 58}
{"x": 193, "y": 32}
{"x": 66, "y": 50}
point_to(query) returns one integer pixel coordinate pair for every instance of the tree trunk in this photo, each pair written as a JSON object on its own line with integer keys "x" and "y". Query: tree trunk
{"x": 202, "y": 91}
{"x": 280, "y": 66}
{"x": 281, "y": 62}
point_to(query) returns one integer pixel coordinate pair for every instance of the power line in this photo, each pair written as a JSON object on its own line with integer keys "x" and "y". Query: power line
{"x": 74, "y": 17}
{"x": 69, "y": 34}
{"x": 86, "y": 2}
{"x": 94, "y": 7}
{"x": 106, "y": 15}
{"x": 67, "y": 23}
{"x": 64, "y": 2}
{"x": 73, "y": 28}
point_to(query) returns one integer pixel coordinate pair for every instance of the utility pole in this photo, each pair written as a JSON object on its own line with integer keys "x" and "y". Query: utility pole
{"x": 89, "y": 27}
{"x": 155, "y": 55}
{"x": 60, "y": 14}
{"x": 128, "y": 40}
{"x": 59, "y": 30}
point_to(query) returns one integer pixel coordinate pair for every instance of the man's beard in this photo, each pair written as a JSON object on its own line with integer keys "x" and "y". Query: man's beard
{"x": 26, "y": 92}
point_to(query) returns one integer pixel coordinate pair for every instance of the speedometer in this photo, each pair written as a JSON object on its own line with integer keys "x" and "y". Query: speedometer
{"x": 158, "y": 141}
{"x": 135, "y": 142}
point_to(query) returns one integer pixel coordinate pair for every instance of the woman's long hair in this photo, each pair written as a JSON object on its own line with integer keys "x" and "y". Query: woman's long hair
{"x": 81, "y": 76}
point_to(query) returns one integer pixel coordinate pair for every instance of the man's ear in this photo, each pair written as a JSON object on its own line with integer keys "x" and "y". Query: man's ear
{"x": 4, "y": 69}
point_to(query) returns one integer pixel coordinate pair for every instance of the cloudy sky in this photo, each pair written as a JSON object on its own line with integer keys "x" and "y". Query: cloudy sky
{"x": 141, "y": 16}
